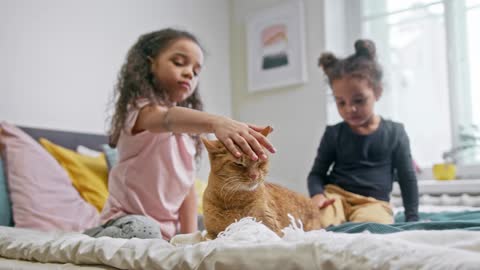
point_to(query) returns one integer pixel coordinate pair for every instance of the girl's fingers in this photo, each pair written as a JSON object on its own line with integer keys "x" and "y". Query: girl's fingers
{"x": 245, "y": 146}
{"x": 321, "y": 204}
{"x": 255, "y": 127}
{"x": 230, "y": 145}
{"x": 247, "y": 139}
{"x": 318, "y": 201}
{"x": 328, "y": 202}
{"x": 263, "y": 141}
{"x": 259, "y": 128}
{"x": 255, "y": 145}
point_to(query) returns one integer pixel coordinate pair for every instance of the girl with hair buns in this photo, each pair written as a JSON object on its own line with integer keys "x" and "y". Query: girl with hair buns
{"x": 359, "y": 158}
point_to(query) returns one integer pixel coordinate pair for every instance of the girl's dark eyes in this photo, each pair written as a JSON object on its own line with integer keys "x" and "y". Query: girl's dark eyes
{"x": 356, "y": 101}
{"x": 180, "y": 63}
{"x": 177, "y": 63}
{"x": 359, "y": 101}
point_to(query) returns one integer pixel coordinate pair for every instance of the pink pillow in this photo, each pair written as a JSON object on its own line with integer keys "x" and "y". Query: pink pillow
{"x": 41, "y": 192}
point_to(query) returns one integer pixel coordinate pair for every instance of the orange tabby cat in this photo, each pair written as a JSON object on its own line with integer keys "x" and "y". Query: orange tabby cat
{"x": 236, "y": 188}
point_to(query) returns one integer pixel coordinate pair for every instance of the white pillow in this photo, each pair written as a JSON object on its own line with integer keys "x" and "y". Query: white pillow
{"x": 87, "y": 151}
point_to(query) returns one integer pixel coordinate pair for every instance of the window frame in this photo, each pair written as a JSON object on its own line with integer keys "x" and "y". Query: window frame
{"x": 459, "y": 89}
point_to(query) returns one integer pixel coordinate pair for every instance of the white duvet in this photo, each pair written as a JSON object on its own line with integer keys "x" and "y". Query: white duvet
{"x": 250, "y": 245}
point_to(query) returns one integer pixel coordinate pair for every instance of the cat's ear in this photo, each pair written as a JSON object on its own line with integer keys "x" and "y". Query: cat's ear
{"x": 210, "y": 145}
{"x": 266, "y": 131}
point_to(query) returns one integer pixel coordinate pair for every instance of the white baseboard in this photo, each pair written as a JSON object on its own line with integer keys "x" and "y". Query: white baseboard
{"x": 452, "y": 187}
{"x": 464, "y": 172}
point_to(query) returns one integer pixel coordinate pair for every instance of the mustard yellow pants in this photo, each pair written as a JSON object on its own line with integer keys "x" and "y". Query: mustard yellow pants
{"x": 354, "y": 208}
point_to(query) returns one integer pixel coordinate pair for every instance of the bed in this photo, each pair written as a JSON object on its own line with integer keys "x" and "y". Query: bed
{"x": 446, "y": 238}
{"x": 246, "y": 244}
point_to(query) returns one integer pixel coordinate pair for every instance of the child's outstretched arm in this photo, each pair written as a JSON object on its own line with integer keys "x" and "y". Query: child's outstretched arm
{"x": 236, "y": 136}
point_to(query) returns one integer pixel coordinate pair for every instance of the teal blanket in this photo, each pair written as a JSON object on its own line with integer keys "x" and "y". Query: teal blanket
{"x": 467, "y": 220}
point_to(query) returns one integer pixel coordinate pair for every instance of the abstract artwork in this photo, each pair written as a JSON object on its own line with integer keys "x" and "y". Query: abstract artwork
{"x": 276, "y": 47}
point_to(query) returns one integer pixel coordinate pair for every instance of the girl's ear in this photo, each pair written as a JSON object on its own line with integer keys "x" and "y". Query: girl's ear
{"x": 152, "y": 62}
{"x": 266, "y": 131}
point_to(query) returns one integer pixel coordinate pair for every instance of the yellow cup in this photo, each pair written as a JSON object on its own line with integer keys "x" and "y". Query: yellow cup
{"x": 444, "y": 171}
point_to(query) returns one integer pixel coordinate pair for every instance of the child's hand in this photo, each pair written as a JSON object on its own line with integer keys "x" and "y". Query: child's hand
{"x": 321, "y": 201}
{"x": 235, "y": 135}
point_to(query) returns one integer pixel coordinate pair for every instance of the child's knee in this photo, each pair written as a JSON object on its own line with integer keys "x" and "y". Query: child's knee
{"x": 373, "y": 213}
{"x": 372, "y": 217}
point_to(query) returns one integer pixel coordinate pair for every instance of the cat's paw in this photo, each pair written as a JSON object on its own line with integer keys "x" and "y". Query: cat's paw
{"x": 208, "y": 236}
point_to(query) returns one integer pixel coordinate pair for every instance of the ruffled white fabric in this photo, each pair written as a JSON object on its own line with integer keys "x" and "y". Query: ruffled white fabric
{"x": 248, "y": 244}
{"x": 247, "y": 230}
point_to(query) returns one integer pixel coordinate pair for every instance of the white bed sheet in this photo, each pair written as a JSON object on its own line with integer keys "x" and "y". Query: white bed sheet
{"x": 250, "y": 245}
{"x": 11, "y": 264}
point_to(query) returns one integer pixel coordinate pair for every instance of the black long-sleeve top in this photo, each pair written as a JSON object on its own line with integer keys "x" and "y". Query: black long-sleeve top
{"x": 367, "y": 164}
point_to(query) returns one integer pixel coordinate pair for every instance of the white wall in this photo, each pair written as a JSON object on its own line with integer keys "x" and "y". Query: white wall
{"x": 60, "y": 59}
{"x": 298, "y": 114}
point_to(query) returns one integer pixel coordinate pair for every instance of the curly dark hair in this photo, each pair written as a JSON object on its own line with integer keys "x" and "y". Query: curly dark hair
{"x": 362, "y": 64}
{"x": 135, "y": 80}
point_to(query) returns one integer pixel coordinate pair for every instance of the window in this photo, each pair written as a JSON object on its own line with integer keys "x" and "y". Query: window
{"x": 430, "y": 53}
{"x": 473, "y": 23}
{"x": 410, "y": 35}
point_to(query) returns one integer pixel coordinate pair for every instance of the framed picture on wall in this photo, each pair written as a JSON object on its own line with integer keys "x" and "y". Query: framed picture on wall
{"x": 276, "y": 47}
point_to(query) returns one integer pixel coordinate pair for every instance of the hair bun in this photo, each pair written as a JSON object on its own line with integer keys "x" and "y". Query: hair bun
{"x": 365, "y": 47}
{"x": 327, "y": 60}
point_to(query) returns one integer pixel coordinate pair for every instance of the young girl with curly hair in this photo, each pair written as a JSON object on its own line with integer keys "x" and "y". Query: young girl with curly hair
{"x": 158, "y": 117}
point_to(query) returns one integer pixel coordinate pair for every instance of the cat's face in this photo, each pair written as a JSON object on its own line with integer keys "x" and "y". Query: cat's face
{"x": 235, "y": 173}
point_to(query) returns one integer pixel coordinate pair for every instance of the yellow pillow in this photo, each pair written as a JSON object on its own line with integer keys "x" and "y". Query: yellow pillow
{"x": 199, "y": 189}
{"x": 89, "y": 175}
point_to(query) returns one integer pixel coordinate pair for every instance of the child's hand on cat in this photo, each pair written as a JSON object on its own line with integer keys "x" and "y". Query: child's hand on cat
{"x": 321, "y": 201}
{"x": 234, "y": 134}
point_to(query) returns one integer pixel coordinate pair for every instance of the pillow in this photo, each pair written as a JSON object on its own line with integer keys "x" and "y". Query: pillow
{"x": 89, "y": 175}
{"x": 87, "y": 151}
{"x": 42, "y": 195}
{"x": 111, "y": 154}
{"x": 199, "y": 190}
{"x": 5, "y": 204}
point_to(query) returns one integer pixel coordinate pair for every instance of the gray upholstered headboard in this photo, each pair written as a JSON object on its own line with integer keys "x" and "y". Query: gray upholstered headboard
{"x": 68, "y": 139}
